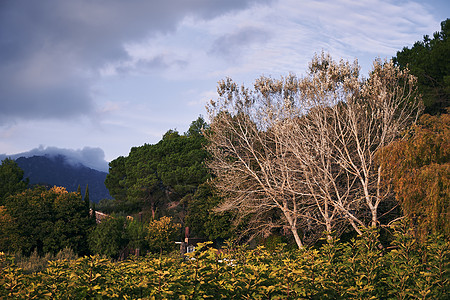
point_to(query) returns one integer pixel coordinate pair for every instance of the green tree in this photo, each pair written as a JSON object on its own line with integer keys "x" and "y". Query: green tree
{"x": 201, "y": 219}
{"x": 11, "y": 179}
{"x": 115, "y": 180}
{"x": 86, "y": 198}
{"x": 9, "y": 237}
{"x": 429, "y": 60}
{"x": 49, "y": 220}
{"x": 137, "y": 232}
{"x": 110, "y": 237}
{"x": 197, "y": 127}
{"x": 156, "y": 177}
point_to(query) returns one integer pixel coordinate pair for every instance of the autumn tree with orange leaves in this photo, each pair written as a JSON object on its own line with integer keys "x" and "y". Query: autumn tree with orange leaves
{"x": 418, "y": 168}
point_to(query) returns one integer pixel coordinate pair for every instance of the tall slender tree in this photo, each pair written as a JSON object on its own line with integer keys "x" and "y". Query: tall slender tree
{"x": 11, "y": 179}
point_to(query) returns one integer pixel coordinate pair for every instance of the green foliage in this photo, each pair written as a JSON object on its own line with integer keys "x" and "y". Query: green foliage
{"x": 115, "y": 180}
{"x": 109, "y": 238}
{"x": 47, "y": 220}
{"x": 418, "y": 270}
{"x": 11, "y": 179}
{"x": 9, "y": 234}
{"x": 429, "y": 60}
{"x": 137, "y": 233}
{"x": 37, "y": 263}
{"x": 201, "y": 219}
{"x": 359, "y": 269}
{"x": 156, "y": 177}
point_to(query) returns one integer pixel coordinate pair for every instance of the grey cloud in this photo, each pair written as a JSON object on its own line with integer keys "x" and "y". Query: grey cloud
{"x": 230, "y": 45}
{"x": 64, "y": 101}
{"x": 91, "y": 157}
{"x": 153, "y": 64}
{"x": 64, "y": 43}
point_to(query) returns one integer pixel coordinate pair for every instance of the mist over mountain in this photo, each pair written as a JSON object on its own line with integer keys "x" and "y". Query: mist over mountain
{"x": 60, "y": 170}
{"x": 93, "y": 158}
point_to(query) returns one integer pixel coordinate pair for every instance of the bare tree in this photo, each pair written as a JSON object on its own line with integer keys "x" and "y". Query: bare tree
{"x": 306, "y": 147}
{"x": 250, "y": 162}
{"x": 386, "y": 105}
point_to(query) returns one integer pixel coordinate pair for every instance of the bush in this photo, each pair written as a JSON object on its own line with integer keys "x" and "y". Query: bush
{"x": 359, "y": 269}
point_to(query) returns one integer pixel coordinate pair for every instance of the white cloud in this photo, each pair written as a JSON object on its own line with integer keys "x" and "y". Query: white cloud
{"x": 282, "y": 36}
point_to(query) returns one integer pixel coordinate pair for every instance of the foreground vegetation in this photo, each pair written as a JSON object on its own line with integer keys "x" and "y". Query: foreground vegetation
{"x": 359, "y": 269}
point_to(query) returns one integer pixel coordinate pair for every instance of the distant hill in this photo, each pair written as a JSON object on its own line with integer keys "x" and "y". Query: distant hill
{"x": 56, "y": 170}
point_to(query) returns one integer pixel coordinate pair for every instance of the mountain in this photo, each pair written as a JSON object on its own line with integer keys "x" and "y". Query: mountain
{"x": 56, "y": 170}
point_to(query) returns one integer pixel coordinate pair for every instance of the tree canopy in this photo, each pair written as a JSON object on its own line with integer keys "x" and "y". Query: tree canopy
{"x": 418, "y": 167}
{"x": 156, "y": 177}
{"x": 429, "y": 60}
{"x": 299, "y": 153}
{"x": 48, "y": 221}
{"x": 11, "y": 179}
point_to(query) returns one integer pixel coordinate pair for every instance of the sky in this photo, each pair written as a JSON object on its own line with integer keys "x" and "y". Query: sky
{"x": 94, "y": 78}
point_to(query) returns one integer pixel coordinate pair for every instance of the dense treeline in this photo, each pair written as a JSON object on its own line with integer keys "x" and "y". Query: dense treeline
{"x": 157, "y": 179}
{"x": 168, "y": 179}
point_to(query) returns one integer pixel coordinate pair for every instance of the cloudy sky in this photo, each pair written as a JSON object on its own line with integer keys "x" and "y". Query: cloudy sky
{"x": 95, "y": 78}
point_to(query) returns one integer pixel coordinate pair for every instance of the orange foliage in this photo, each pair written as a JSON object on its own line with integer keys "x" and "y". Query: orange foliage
{"x": 59, "y": 190}
{"x": 418, "y": 168}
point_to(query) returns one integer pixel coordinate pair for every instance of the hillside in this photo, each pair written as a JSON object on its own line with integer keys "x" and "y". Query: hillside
{"x": 57, "y": 171}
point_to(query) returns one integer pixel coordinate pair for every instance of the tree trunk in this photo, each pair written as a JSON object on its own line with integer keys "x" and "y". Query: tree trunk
{"x": 293, "y": 228}
{"x": 298, "y": 241}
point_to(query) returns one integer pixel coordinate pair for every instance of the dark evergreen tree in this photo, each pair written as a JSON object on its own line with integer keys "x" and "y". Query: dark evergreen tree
{"x": 429, "y": 60}
{"x": 201, "y": 219}
{"x": 110, "y": 237}
{"x": 86, "y": 195}
{"x": 11, "y": 179}
{"x": 155, "y": 178}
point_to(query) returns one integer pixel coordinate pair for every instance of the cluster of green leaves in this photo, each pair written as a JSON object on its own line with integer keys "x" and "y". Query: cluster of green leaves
{"x": 359, "y": 269}
{"x": 116, "y": 237}
{"x": 36, "y": 262}
{"x": 152, "y": 176}
{"x": 168, "y": 179}
{"x": 430, "y": 62}
{"x": 45, "y": 220}
{"x": 110, "y": 237}
{"x": 202, "y": 220}
{"x": 11, "y": 179}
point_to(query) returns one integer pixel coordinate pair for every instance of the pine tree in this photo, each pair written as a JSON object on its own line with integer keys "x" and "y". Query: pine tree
{"x": 86, "y": 197}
